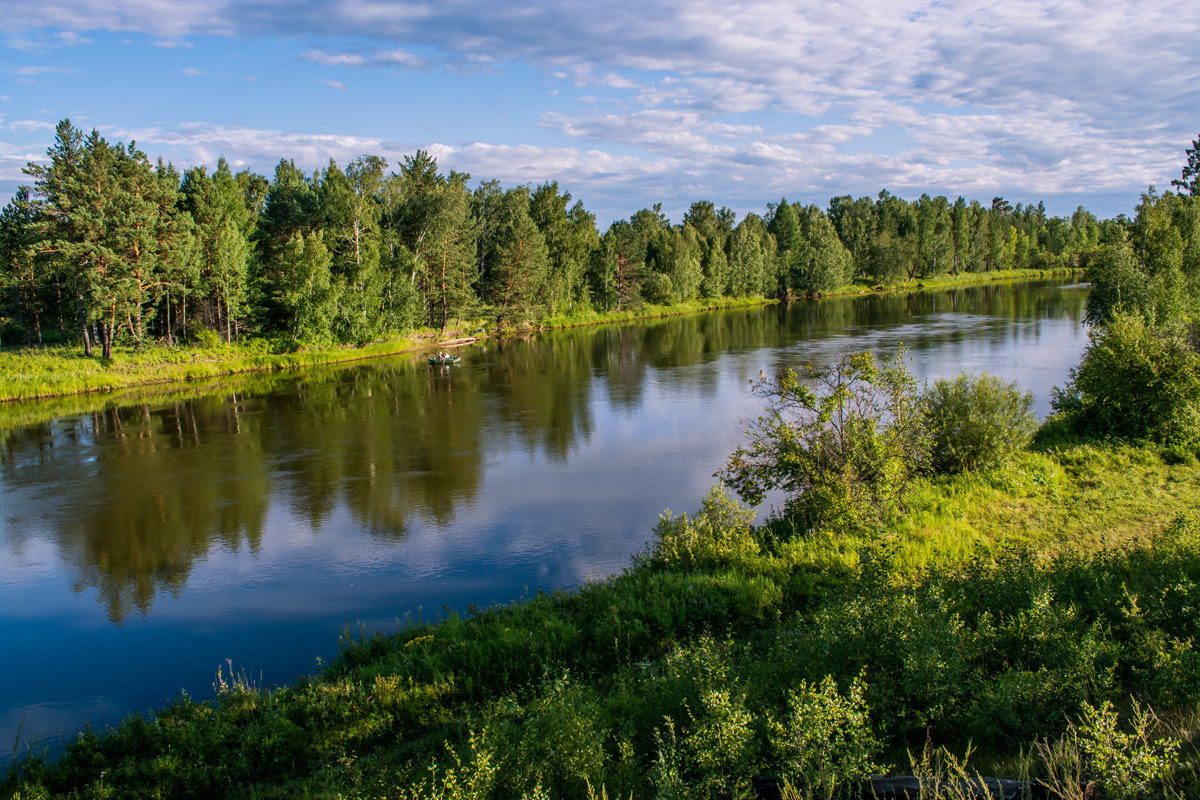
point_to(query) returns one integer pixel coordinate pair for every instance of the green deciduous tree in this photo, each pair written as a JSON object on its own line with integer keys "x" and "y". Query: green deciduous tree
{"x": 571, "y": 239}
{"x": 1137, "y": 380}
{"x": 436, "y": 225}
{"x": 823, "y": 264}
{"x": 307, "y": 293}
{"x": 223, "y": 223}
{"x": 751, "y": 254}
{"x": 515, "y": 270}
{"x": 289, "y": 209}
{"x": 351, "y": 209}
{"x": 854, "y": 221}
{"x": 784, "y": 225}
{"x": 842, "y": 443}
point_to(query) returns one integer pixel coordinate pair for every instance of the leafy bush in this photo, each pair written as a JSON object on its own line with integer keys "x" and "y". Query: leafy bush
{"x": 843, "y": 445}
{"x": 975, "y": 422}
{"x": 1137, "y": 381}
{"x": 721, "y": 532}
{"x": 708, "y": 755}
{"x": 1127, "y": 764}
{"x": 557, "y": 738}
{"x": 824, "y": 742}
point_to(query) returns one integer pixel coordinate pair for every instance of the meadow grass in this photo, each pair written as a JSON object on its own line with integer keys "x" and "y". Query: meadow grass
{"x": 29, "y": 374}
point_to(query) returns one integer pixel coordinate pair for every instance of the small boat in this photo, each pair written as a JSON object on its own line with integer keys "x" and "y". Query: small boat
{"x": 442, "y": 359}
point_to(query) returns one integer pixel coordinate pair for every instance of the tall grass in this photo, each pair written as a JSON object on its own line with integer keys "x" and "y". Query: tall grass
{"x": 62, "y": 370}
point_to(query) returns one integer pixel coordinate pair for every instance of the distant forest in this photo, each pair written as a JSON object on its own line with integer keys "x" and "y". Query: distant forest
{"x": 104, "y": 246}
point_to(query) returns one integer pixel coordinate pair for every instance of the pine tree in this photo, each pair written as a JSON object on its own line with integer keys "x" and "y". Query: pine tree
{"x": 516, "y": 267}
{"x": 1189, "y": 178}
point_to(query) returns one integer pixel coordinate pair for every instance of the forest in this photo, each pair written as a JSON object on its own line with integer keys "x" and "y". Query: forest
{"x": 104, "y": 247}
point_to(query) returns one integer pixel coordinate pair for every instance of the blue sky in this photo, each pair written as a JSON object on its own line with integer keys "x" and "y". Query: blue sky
{"x": 627, "y": 104}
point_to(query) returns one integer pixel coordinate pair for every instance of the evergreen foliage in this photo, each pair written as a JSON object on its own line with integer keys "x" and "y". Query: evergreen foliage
{"x": 103, "y": 246}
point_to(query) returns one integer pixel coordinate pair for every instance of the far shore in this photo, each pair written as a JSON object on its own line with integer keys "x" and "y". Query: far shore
{"x": 38, "y": 373}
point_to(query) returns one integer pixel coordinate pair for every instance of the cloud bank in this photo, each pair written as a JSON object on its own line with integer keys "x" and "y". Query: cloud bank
{"x": 740, "y": 101}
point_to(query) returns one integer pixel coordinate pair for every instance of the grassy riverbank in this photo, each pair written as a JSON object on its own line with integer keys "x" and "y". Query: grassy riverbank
{"x": 998, "y": 611}
{"x": 60, "y": 370}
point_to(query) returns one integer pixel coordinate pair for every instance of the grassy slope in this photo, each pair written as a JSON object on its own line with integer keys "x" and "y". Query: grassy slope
{"x": 989, "y": 612}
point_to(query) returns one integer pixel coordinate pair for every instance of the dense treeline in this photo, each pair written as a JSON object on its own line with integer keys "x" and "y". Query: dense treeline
{"x": 1140, "y": 375}
{"x": 105, "y": 246}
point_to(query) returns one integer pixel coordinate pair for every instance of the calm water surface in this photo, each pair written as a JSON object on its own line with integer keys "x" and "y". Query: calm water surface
{"x": 145, "y": 543}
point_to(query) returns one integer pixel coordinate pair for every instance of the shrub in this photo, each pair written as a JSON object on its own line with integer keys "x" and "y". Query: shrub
{"x": 843, "y": 445}
{"x": 558, "y": 738}
{"x": 975, "y": 422}
{"x": 1138, "y": 382}
{"x": 721, "y": 532}
{"x": 1128, "y": 765}
{"x": 824, "y": 742}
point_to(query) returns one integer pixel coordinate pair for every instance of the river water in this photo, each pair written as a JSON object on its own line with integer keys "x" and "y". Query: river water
{"x": 147, "y": 541}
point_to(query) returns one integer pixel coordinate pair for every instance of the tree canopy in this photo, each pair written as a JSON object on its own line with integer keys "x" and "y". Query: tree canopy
{"x": 103, "y": 246}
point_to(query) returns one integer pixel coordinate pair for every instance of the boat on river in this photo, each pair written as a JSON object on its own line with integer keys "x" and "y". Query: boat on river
{"x": 442, "y": 359}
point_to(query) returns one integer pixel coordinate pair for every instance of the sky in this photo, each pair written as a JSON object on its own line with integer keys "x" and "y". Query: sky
{"x": 628, "y": 104}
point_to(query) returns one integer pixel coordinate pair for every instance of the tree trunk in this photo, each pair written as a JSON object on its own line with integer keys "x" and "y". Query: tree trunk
{"x": 83, "y": 326}
{"x": 106, "y": 334}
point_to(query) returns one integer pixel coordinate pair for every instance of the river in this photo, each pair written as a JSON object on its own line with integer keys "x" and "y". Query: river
{"x": 147, "y": 541}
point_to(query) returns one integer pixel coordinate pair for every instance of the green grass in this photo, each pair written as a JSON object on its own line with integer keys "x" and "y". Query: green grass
{"x": 648, "y": 311}
{"x": 991, "y": 614}
{"x": 960, "y": 279}
{"x": 28, "y": 374}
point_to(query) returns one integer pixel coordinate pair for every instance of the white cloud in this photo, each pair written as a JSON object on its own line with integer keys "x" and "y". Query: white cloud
{"x": 30, "y": 125}
{"x": 380, "y": 58}
{"x": 71, "y": 39}
{"x": 191, "y": 72}
{"x": 334, "y": 59}
{"x": 38, "y": 42}
{"x": 30, "y": 71}
{"x": 944, "y": 95}
{"x": 341, "y": 87}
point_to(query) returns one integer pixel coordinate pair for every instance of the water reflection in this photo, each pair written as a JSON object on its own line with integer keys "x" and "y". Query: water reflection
{"x": 256, "y": 519}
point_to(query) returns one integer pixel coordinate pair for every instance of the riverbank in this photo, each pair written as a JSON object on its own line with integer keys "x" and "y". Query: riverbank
{"x": 996, "y": 609}
{"x": 61, "y": 370}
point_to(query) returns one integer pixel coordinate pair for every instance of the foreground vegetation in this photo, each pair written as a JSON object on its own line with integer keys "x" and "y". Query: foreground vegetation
{"x": 1001, "y": 614}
